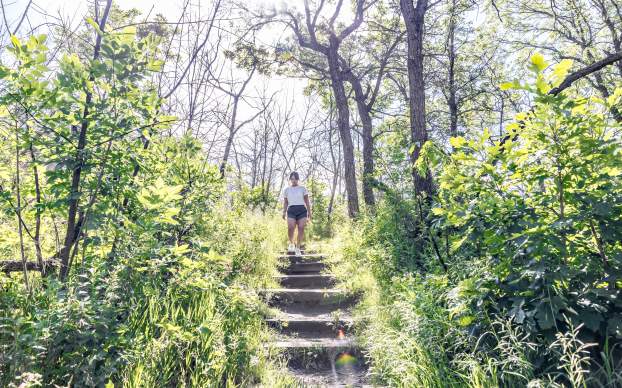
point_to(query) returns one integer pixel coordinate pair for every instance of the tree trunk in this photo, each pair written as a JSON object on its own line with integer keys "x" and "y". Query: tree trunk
{"x": 18, "y": 210}
{"x": 451, "y": 49}
{"x": 37, "y": 236}
{"x": 343, "y": 125}
{"x": 336, "y": 168}
{"x": 232, "y": 129}
{"x": 74, "y": 194}
{"x": 414, "y": 19}
{"x": 368, "y": 142}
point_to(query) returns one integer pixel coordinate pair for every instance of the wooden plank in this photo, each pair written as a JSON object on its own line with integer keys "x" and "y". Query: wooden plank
{"x": 8, "y": 266}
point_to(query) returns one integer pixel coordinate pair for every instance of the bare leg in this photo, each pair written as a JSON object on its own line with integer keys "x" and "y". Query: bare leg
{"x": 291, "y": 225}
{"x": 301, "y": 230}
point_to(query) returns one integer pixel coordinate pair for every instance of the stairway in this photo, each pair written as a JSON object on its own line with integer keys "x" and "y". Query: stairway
{"x": 314, "y": 325}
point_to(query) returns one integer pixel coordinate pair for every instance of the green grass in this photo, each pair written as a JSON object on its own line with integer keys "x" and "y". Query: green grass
{"x": 156, "y": 318}
{"x": 416, "y": 329}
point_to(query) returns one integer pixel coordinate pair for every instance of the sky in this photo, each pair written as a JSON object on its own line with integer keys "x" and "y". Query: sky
{"x": 74, "y": 9}
{"x": 42, "y": 11}
{"x": 77, "y": 8}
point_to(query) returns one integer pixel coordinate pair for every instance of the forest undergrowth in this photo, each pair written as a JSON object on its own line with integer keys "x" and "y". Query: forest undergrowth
{"x": 160, "y": 314}
{"x": 510, "y": 274}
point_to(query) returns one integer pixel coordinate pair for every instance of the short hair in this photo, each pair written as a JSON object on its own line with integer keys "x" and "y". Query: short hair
{"x": 294, "y": 174}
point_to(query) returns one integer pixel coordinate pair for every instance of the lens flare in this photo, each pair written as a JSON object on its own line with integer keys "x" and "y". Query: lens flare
{"x": 345, "y": 359}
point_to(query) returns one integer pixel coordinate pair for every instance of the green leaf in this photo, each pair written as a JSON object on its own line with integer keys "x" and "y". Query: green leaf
{"x": 166, "y": 217}
{"x": 205, "y": 330}
{"x": 455, "y": 245}
{"x": 466, "y": 320}
{"x": 560, "y": 71}
{"x": 612, "y": 99}
{"x": 544, "y": 316}
{"x": 591, "y": 319}
{"x": 214, "y": 256}
{"x": 155, "y": 65}
{"x": 614, "y": 326}
{"x": 542, "y": 85}
{"x": 94, "y": 24}
{"x": 130, "y": 30}
{"x": 538, "y": 62}
{"x": 612, "y": 171}
{"x": 438, "y": 211}
{"x": 180, "y": 250}
{"x": 16, "y": 43}
{"x": 457, "y": 142}
{"x": 506, "y": 86}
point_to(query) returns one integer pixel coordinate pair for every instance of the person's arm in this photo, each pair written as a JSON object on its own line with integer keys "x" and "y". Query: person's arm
{"x": 308, "y": 205}
{"x": 284, "y": 207}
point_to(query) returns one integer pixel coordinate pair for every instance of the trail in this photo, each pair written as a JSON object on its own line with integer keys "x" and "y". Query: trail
{"x": 314, "y": 324}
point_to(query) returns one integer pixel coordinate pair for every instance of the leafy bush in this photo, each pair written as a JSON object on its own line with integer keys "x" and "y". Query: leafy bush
{"x": 542, "y": 213}
{"x": 402, "y": 321}
{"x": 323, "y": 222}
{"x": 529, "y": 230}
{"x": 156, "y": 257}
{"x": 176, "y": 277}
{"x": 255, "y": 198}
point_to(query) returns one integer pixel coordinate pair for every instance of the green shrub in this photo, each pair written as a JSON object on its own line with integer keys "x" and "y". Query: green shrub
{"x": 543, "y": 215}
{"x": 165, "y": 298}
{"x": 255, "y": 198}
{"x": 323, "y": 222}
{"x": 529, "y": 230}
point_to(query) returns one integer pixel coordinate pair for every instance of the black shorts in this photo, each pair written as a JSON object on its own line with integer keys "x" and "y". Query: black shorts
{"x": 297, "y": 212}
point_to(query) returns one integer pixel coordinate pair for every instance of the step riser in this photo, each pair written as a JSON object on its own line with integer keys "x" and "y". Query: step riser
{"x": 321, "y": 297}
{"x": 311, "y": 329}
{"x": 302, "y": 301}
{"x": 302, "y": 259}
{"x": 289, "y": 305}
{"x": 319, "y": 281}
{"x": 320, "y": 359}
{"x": 302, "y": 271}
{"x": 304, "y": 268}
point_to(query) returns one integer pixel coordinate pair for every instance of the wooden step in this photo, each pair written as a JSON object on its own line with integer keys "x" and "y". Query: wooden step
{"x": 306, "y": 281}
{"x": 317, "y": 353}
{"x": 306, "y": 344}
{"x": 312, "y": 327}
{"x": 306, "y": 310}
{"x": 347, "y": 376}
{"x": 300, "y": 268}
{"x": 308, "y": 296}
{"x": 303, "y": 257}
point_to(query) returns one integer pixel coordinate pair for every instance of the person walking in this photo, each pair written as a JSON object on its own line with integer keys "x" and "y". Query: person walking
{"x": 297, "y": 211}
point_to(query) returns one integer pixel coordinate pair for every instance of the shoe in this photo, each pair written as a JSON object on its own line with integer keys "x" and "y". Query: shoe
{"x": 298, "y": 253}
{"x": 291, "y": 248}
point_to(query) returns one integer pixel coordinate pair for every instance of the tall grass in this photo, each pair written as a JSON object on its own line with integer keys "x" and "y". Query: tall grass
{"x": 422, "y": 330}
{"x": 162, "y": 315}
{"x": 401, "y": 328}
{"x": 196, "y": 335}
{"x": 207, "y": 330}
